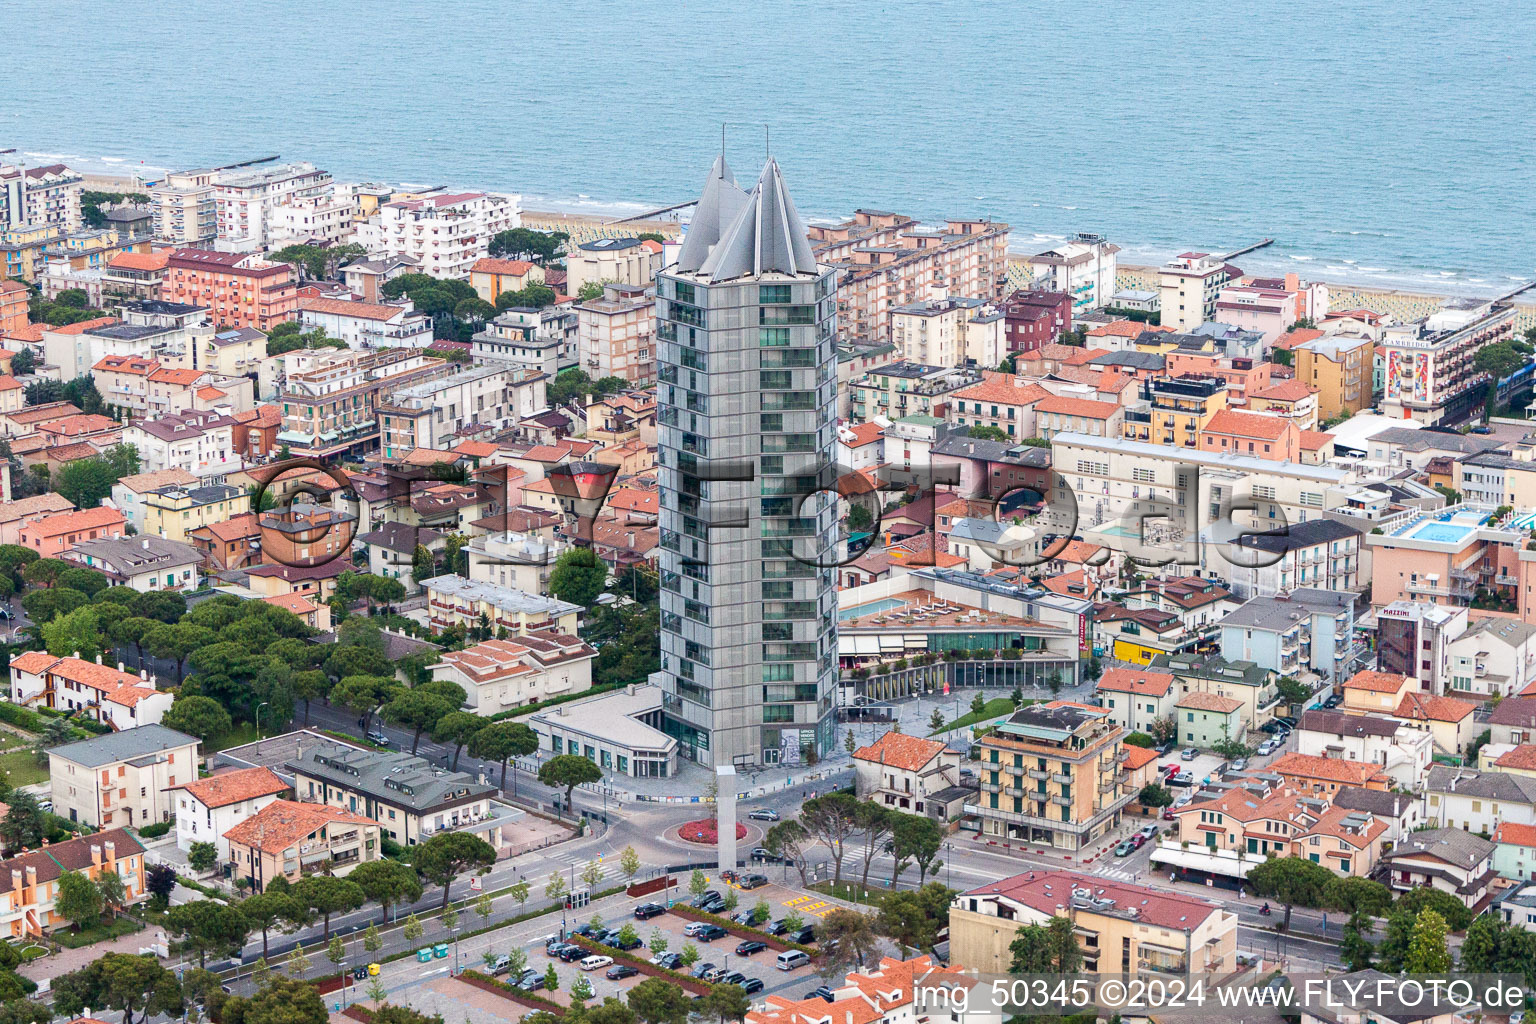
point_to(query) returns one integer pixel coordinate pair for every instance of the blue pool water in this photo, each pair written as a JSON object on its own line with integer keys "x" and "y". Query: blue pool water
{"x": 873, "y": 608}
{"x": 1441, "y": 532}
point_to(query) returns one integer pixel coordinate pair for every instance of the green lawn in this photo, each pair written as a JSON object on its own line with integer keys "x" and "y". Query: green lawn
{"x": 994, "y": 708}
{"x": 851, "y": 890}
{"x": 243, "y": 733}
{"x": 21, "y": 768}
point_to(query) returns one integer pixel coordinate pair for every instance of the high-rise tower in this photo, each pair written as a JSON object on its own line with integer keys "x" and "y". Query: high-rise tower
{"x": 747, "y": 394}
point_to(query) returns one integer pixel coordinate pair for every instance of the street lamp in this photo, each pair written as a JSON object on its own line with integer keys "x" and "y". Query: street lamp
{"x": 948, "y": 856}
{"x": 258, "y": 725}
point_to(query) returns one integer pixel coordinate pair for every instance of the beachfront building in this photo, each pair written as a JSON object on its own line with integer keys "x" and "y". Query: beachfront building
{"x": 1082, "y": 267}
{"x": 491, "y": 278}
{"x": 245, "y": 200}
{"x": 602, "y": 261}
{"x": 444, "y": 234}
{"x": 1430, "y": 376}
{"x": 887, "y": 259}
{"x": 746, "y": 324}
{"x": 1189, "y": 285}
{"x": 46, "y": 197}
{"x": 1270, "y": 305}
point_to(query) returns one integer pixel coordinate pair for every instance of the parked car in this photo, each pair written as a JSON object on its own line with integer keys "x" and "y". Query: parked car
{"x": 554, "y": 949}
{"x": 804, "y": 935}
{"x": 752, "y": 985}
{"x": 749, "y": 947}
{"x": 619, "y": 972}
{"x": 1288, "y": 721}
{"x": 753, "y": 881}
{"x": 1333, "y": 701}
{"x": 624, "y": 942}
{"x": 776, "y": 928}
{"x": 763, "y": 814}
{"x": 1163, "y": 748}
{"x": 714, "y": 906}
{"x": 587, "y": 930}
{"x": 1168, "y": 814}
{"x": 743, "y": 916}
{"x": 1485, "y": 429}
{"x": 715, "y": 974}
{"x": 1184, "y": 779}
{"x": 704, "y": 897}
{"x": 1171, "y": 768}
{"x": 1148, "y": 831}
{"x": 1268, "y": 747}
{"x": 1190, "y": 753}
{"x": 646, "y": 911}
{"x": 531, "y": 980}
{"x": 502, "y": 965}
{"x": 693, "y": 928}
{"x": 1241, "y": 764}
{"x": 1125, "y": 849}
{"x": 733, "y": 978}
{"x": 570, "y": 953}
{"x": 671, "y": 961}
{"x": 377, "y": 738}
{"x": 711, "y": 932}
{"x": 700, "y": 970}
{"x": 762, "y": 853}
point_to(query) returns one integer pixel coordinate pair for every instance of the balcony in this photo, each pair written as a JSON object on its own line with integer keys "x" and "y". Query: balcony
{"x": 1062, "y": 777}
{"x": 1038, "y": 774}
{"x": 1062, "y": 801}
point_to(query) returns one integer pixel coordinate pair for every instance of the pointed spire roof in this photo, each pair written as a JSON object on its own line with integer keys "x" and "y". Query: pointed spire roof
{"x": 767, "y": 235}
{"x": 719, "y": 203}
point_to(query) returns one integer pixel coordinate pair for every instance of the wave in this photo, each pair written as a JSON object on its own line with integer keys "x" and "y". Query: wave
{"x": 1304, "y": 259}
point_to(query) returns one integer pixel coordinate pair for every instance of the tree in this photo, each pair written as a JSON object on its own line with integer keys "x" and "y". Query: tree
{"x": 875, "y": 825}
{"x": 445, "y": 856}
{"x": 567, "y": 386}
{"x": 135, "y": 985}
{"x": 985, "y": 433}
{"x": 1139, "y": 739}
{"x": 88, "y": 581}
{"x": 202, "y": 856}
{"x": 527, "y": 244}
{"x": 1480, "y": 948}
{"x": 1165, "y": 729}
{"x": 159, "y": 879}
{"x": 326, "y": 896}
{"x": 283, "y": 1001}
{"x": 533, "y": 296}
{"x": 1291, "y": 881}
{"x": 208, "y": 926}
{"x": 519, "y": 892}
{"x": 79, "y": 901}
{"x": 336, "y": 950}
{"x": 87, "y": 481}
{"x": 1451, "y": 910}
{"x": 1293, "y": 691}
{"x": 788, "y": 839}
{"x": 298, "y": 964}
{"x": 554, "y": 888}
{"x": 457, "y": 728}
{"x": 1048, "y": 949}
{"x": 1356, "y": 950}
{"x": 1231, "y": 749}
{"x": 1427, "y": 953}
{"x": 570, "y": 771}
{"x": 916, "y": 839}
{"x": 74, "y": 632}
{"x": 724, "y": 1002}
{"x": 848, "y": 939}
{"x": 904, "y": 919}
{"x": 1154, "y": 795}
{"x": 202, "y": 717}
{"x": 592, "y": 873}
{"x": 113, "y": 893}
{"x": 363, "y": 694}
{"x": 659, "y": 1001}
{"x": 978, "y": 704}
{"x": 589, "y": 291}
{"x": 689, "y": 954}
{"x": 1357, "y": 896}
{"x": 412, "y": 928}
{"x": 266, "y": 910}
{"x": 418, "y": 711}
{"x": 578, "y": 577}
{"x": 832, "y": 819}
{"x": 23, "y": 825}
{"x": 387, "y": 883}
{"x": 551, "y": 979}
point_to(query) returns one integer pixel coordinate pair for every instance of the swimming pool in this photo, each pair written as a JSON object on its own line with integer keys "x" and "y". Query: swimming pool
{"x": 885, "y": 604}
{"x": 1445, "y": 533}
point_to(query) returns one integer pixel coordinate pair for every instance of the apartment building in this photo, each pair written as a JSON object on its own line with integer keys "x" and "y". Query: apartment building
{"x": 1339, "y": 367}
{"x": 1270, "y": 305}
{"x": 887, "y": 260}
{"x": 949, "y": 331}
{"x": 521, "y": 561}
{"x": 199, "y": 442}
{"x": 1136, "y": 698}
{"x": 1254, "y": 820}
{"x": 1323, "y": 553}
{"x": 329, "y": 397}
{"x": 143, "y": 563}
{"x": 524, "y": 336}
{"x": 45, "y": 197}
{"x": 292, "y": 839}
{"x": 444, "y": 234}
{"x": 185, "y": 207}
{"x": 1053, "y": 775}
{"x": 128, "y": 492}
{"x": 239, "y": 290}
{"x": 1172, "y": 411}
{"x": 92, "y": 690}
{"x": 137, "y": 275}
{"x": 1082, "y": 267}
{"x": 1305, "y": 628}
{"x": 173, "y": 512}
{"x": 1450, "y": 860}
{"x": 1189, "y": 285}
{"x": 367, "y": 278}
{"x": 367, "y": 324}
{"x": 1494, "y": 657}
{"x": 121, "y": 778}
{"x": 208, "y": 808}
{"x": 244, "y": 201}
{"x": 52, "y": 535}
{"x": 1243, "y": 681}
{"x": 502, "y": 674}
{"x": 1059, "y": 414}
{"x": 1444, "y": 558}
{"x": 903, "y": 389}
{"x": 324, "y": 219}
{"x": 1121, "y": 928}
{"x": 909, "y": 773}
{"x": 616, "y": 333}
{"x": 1273, "y": 438}
{"x": 490, "y": 277}
{"x": 999, "y": 400}
{"x": 1404, "y": 754}
{"x": 1430, "y": 376}
{"x": 408, "y": 797}
{"x": 627, "y": 261}
{"x": 29, "y": 892}
{"x": 453, "y": 600}
{"x": 237, "y": 352}
{"x": 439, "y": 413}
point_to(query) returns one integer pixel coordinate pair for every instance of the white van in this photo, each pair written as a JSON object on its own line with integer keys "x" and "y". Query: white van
{"x": 594, "y": 963}
{"x": 792, "y": 958}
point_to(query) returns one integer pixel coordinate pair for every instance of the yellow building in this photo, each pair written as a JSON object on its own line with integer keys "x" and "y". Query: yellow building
{"x": 94, "y": 249}
{"x": 490, "y": 277}
{"x": 1053, "y": 775}
{"x": 173, "y": 512}
{"x": 1121, "y": 928}
{"x": 22, "y": 250}
{"x": 1177, "y": 409}
{"x": 1339, "y": 367}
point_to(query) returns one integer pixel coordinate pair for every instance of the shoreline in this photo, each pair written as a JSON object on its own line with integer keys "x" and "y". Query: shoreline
{"x": 1397, "y": 291}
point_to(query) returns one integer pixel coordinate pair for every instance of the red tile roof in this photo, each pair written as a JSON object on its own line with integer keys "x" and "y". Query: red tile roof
{"x": 360, "y": 310}
{"x": 1515, "y": 834}
{"x": 1045, "y": 890}
{"x": 1290, "y": 391}
{"x": 899, "y": 750}
{"x": 283, "y": 823}
{"x": 1376, "y": 682}
{"x": 1248, "y": 424}
{"x": 1328, "y": 769}
{"x": 1434, "y": 709}
{"x": 1522, "y": 757}
{"x": 232, "y": 787}
{"x": 1084, "y": 407}
{"x": 1130, "y": 680}
{"x": 73, "y": 522}
{"x": 140, "y": 260}
{"x": 487, "y": 265}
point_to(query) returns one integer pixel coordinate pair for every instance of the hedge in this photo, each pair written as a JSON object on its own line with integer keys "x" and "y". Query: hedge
{"x": 644, "y": 966}
{"x": 481, "y": 981}
{"x": 742, "y": 931}
{"x": 155, "y": 831}
{"x": 529, "y": 709}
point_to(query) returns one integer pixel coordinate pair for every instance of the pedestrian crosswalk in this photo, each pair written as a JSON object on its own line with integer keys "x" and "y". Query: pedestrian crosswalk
{"x": 1119, "y": 874}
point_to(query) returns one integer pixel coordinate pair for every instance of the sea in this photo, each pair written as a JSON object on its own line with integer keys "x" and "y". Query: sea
{"x": 1378, "y": 142}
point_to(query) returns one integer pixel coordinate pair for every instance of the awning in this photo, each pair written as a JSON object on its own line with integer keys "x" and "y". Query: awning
{"x": 1215, "y": 863}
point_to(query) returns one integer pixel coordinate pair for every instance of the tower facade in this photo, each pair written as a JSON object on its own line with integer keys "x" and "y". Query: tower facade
{"x": 747, "y": 392}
